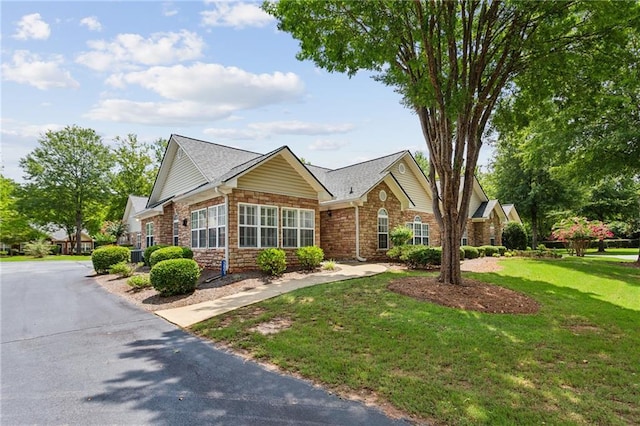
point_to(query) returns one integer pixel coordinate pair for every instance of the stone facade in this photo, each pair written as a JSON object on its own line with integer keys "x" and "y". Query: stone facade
{"x": 481, "y": 232}
{"x": 338, "y": 233}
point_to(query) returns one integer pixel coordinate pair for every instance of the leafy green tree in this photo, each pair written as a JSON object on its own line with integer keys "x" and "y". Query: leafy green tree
{"x": 65, "y": 179}
{"x": 423, "y": 161}
{"x": 134, "y": 174}
{"x": 450, "y": 61}
{"x": 15, "y": 227}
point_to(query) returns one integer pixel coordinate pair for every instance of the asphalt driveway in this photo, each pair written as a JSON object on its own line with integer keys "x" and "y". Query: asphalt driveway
{"x": 73, "y": 353}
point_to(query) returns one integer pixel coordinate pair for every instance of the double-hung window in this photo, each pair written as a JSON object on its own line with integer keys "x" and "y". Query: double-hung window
{"x": 217, "y": 226}
{"x": 257, "y": 225}
{"x": 464, "y": 241}
{"x": 420, "y": 231}
{"x": 149, "y": 234}
{"x": 199, "y": 228}
{"x": 298, "y": 228}
{"x": 176, "y": 227}
{"x": 383, "y": 229}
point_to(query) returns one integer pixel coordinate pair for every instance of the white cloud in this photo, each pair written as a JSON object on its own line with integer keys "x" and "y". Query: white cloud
{"x": 129, "y": 51}
{"x": 267, "y": 129}
{"x": 236, "y": 15}
{"x": 326, "y": 145}
{"x": 23, "y": 130}
{"x": 32, "y": 27}
{"x": 92, "y": 23}
{"x": 169, "y": 9}
{"x": 29, "y": 68}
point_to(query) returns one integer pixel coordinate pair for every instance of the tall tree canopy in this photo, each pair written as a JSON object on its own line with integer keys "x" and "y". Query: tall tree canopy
{"x": 65, "y": 178}
{"x": 450, "y": 61}
{"x": 15, "y": 226}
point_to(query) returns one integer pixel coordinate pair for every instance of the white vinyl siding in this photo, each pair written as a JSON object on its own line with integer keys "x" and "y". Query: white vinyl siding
{"x": 257, "y": 226}
{"x": 217, "y": 226}
{"x": 276, "y": 176}
{"x": 420, "y": 232}
{"x": 298, "y": 228}
{"x": 183, "y": 175}
{"x": 383, "y": 229}
{"x": 416, "y": 191}
{"x": 199, "y": 228}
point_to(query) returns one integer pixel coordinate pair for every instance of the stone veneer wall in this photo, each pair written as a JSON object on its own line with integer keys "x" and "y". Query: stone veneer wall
{"x": 338, "y": 233}
{"x": 162, "y": 227}
{"x": 368, "y": 215}
{"x": 482, "y": 232}
{"x": 429, "y": 218}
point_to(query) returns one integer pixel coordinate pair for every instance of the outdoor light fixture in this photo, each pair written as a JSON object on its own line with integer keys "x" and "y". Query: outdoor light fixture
{"x": 184, "y": 222}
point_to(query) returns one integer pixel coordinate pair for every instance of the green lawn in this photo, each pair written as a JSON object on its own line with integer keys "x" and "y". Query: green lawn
{"x": 48, "y": 258}
{"x": 575, "y": 362}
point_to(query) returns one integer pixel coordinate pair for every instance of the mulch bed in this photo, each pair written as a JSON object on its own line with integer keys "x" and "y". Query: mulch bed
{"x": 472, "y": 295}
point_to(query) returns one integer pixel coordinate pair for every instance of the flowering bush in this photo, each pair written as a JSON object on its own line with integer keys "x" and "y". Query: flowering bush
{"x": 578, "y": 232}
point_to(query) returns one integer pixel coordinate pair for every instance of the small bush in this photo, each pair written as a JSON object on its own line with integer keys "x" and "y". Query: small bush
{"x": 4, "y": 252}
{"x": 272, "y": 261}
{"x": 310, "y": 257}
{"x": 140, "y": 281}
{"x": 55, "y": 249}
{"x": 329, "y": 265}
{"x": 424, "y": 256}
{"x": 171, "y": 252}
{"x": 38, "y": 248}
{"x": 400, "y": 235}
{"x": 541, "y": 247}
{"x": 104, "y": 258}
{"x": 470, "y": 252}
{"x": 514, "y": 236}
{"x": 187, "y": 253}
{"x": 175, "y": 276}
{"x": 502, "y": 250}
{"x": 489, "y": 250}
{"x": 122, "y": 269}
{"x": 482, "y": 252}
{"x": 149, "y": 251}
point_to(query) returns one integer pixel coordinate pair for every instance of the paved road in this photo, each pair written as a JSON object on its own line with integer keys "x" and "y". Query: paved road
{"x": 74, "y": 354}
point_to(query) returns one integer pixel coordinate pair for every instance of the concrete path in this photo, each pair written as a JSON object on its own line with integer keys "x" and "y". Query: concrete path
{"x": 615, "y": 256}
{"x": 189, "y": 315}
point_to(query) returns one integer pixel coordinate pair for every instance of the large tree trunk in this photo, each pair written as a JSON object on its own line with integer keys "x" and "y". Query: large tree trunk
{"x": 534, "y": 227}
{"x": 78, "y": 231}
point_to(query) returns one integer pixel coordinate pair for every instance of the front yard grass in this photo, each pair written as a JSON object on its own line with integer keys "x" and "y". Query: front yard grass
{"x": 574, "y": 362}
{"x": 23, "y": 258}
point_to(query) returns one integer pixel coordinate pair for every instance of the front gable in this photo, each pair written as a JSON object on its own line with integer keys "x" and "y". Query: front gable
{"x": 413, "y": 181}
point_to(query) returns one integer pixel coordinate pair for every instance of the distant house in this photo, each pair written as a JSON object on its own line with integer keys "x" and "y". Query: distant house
{"x": 229, "y": 204}
{"x": 133, "y": 236}
{"x": 511, "y": 212}
{"x": 60, "y": 238}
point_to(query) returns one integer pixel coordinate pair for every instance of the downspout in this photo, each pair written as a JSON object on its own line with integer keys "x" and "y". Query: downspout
{"x": 360, "y": 259}
{"x": 226, "y": 240}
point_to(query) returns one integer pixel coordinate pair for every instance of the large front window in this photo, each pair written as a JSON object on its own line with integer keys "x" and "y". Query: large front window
{"x": 383, "y": 229}
{"x": 420, "y": 231}
{"x": 217, "y": 226}
{"x": 257, "y": 225}
{"x": 298, "y": 228}
{"x": 199, "y": 228}
{"x": 149, "y": 234}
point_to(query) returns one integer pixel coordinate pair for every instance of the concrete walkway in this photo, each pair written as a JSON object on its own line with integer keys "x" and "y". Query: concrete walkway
{"x": 189, "y": 315}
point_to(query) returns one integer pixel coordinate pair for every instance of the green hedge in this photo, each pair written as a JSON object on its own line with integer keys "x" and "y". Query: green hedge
{"x": 424, "y": 256}
{"x": 272, "y": 261}
{"x": 489, "y": 251}
{"x": 470, "y": 252}
{"x": 165, "y": 253}
{"x": 175, "y": 276}
{"x": 104, "y": 258}
{"x": 149, "y": 251}
{"x": 310, "y": 257}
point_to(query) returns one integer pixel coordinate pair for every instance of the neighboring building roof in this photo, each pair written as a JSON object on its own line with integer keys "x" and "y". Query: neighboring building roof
{"x": 138, "y": 203}
{"x": 511, "y": 212}
{"x": 61, "y": 235}
{"x": 485, "y": 209}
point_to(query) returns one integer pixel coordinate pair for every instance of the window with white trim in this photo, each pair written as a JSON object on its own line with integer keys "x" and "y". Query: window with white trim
{"x": 298, "y": 227}
{"x": 492, "y": 234}
{"x": 257, "y": 226}
{"x": 149, "y": 234}
{"x": 420, "y": 231}
{"x": 199, "y": 228}
{"x": 176, "y": 227}
{"x": 217, "y": 226}
{"x": 383, "y": 229}
{"x": 464, "y": 241}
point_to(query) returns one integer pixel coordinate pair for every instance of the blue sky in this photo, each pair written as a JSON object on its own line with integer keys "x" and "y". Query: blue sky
{"x": 217, "y": 71}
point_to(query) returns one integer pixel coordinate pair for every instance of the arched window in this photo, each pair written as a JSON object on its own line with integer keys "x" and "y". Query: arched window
{"x": 383, "y": 229}
{"x": 420, "y": 231}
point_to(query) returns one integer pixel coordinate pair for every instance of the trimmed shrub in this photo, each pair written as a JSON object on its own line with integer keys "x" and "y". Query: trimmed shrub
{"x": 172, "y": 252}
{"x": 149, "y": 251}
{"x": 104, "y": 258}
{"x": 400, "y": 235}
{"x": 38, "y": 248}
{"x": 514, "y": 236}
{"x": 122, "y": 269}
{"x": 175, "y": 276}
{"x": 461, "y": 253}
{"x": 424, "y": 256}
{"x": 55, "y": 249}
{"x": 470, "y": 252}
{"x": 489, "y": 250}
{"x": 272, "y": 261}
{"x": 482, "y": 252}
{"x": 140, "y": 281}
{"x": 187, "y": 253}
{"x": 502, "y": 250}
{"x": 310, "y": 257}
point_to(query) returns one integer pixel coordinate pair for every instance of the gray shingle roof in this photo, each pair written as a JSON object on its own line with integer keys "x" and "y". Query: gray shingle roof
{"x": 356, "y": 180}
{"x": 484, "y": 209}
{"x": 138, "y": 203}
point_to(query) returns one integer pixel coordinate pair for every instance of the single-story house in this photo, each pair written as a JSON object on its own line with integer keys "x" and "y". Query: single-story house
{"x": 228, "y": 204}
{"x": 133, "y": 236}
{"x": 60, "y": 238}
